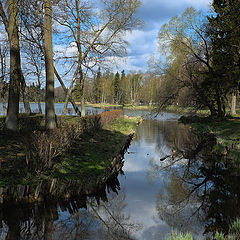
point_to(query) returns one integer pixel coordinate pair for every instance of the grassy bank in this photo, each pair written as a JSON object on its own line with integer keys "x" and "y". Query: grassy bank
{"x": 89, "y": 156}
{"x": 227, "y": 131}
{"x": 123, "y": 106}
{"x": 187, "y": 110}
{"x": 234, "y": 234}
{"x": 85, "y": 158}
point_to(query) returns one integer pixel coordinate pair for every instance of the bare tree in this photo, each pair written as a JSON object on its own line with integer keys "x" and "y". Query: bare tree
{"x": 96, "y": 36}
{"x": 32, "y": 20}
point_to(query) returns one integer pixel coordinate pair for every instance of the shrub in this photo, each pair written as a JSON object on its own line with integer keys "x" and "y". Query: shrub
{"x": 30, "y": 122}
{"x": 43, "y": 147}
{"x": 109, "y": 116}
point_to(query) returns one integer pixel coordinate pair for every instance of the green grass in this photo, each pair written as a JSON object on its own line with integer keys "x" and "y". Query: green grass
{"x": 88, "y": 157}
{"x": 227, "y": 131}
{"x": 179, "y": 236}
{"x": 234, "y": 234}
{"x": 124, "y": 106}
{"x": 190, "y": 110}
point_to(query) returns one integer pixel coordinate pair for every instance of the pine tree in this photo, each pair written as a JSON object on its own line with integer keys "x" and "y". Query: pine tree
{"x": 97, "y": 87}
{"x": 116, "y": 86}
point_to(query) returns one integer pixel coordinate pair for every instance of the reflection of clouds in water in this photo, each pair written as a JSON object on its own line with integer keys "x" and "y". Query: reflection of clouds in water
{"x": 145, "y": 179}
{"x": 157, "y": 232}
{"x": 141, "y": 197}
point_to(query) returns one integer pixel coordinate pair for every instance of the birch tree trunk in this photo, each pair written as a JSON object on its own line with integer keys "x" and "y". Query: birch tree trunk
{"x": 50, "y": 120}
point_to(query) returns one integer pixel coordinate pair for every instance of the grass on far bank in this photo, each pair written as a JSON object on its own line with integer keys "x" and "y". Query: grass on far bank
{"x": 227, "y": 131}
{"x": 121, "y": 106}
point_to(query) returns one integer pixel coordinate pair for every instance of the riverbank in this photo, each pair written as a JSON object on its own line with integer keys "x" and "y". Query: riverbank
{"x": 91, "y": 159}
{"x": 118, "y": 106}
{"x": 226, "y": 132}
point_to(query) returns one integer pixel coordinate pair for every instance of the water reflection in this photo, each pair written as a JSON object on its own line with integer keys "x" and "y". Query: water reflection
{"x": 172, "y": 180}
{"x": 201, "y": 186}
{"x": 96, "y": 217}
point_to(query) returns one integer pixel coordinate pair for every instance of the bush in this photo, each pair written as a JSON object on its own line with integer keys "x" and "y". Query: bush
{"x": 43, "y": 147}
{"x": 109, "y": 116}
{"x": 2, "y": 123}
{"x": 30, "y": 122}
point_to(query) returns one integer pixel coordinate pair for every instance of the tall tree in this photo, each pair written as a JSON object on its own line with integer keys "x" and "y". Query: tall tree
{"x": 116, "y": 87}
{"x": 123, "y": 88}
{"x": 3, "y": 83}
{"x": 48, "y": 49}
{"x": 96, "y": 36}
{"x": 97, "y": 86}
{"x": 224, "y": 32}
{"x": 11, "y": 25}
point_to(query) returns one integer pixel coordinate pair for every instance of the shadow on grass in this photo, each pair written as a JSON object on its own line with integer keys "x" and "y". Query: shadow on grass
{"x": 90, "y": 160}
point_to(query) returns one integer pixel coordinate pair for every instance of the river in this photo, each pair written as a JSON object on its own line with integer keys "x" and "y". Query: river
{"x": 169, "y": 181}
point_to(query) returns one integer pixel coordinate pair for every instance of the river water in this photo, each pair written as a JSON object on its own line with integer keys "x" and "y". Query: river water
{"x": 169, "y": 181}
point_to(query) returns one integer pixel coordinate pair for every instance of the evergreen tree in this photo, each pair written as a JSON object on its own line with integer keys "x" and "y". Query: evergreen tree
{"x": 116, "y": 86}
{"x": 77, "y": 91}
{"x": 97, "y": 87}
{"x": 224, "y": 33}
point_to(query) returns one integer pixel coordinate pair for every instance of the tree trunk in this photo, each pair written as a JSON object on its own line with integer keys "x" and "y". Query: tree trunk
{"x": 24, "y": 94}
{"x": 50, "y": 120}
{"x": 39, "y": 93}
{"x": 66, "y": 91}
{"x": 233, "y": 105}
{"x": 15, "y": 67}
{"x": 69, "y": 92}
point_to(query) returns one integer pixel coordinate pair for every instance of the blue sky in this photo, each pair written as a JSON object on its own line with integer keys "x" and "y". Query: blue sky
{"x": 154, "y": 13}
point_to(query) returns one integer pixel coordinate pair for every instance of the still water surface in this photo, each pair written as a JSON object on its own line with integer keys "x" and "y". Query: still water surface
{"x": 169, "y": 181}
{"x": 58, "y": 109}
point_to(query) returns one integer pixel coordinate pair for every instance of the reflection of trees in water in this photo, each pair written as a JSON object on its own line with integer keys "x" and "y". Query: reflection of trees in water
{"x": 169, "y": 134}
{"x": 79, "y": 218}
{"x": 104, "y": 221}
{"x": 201, "y": 185}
